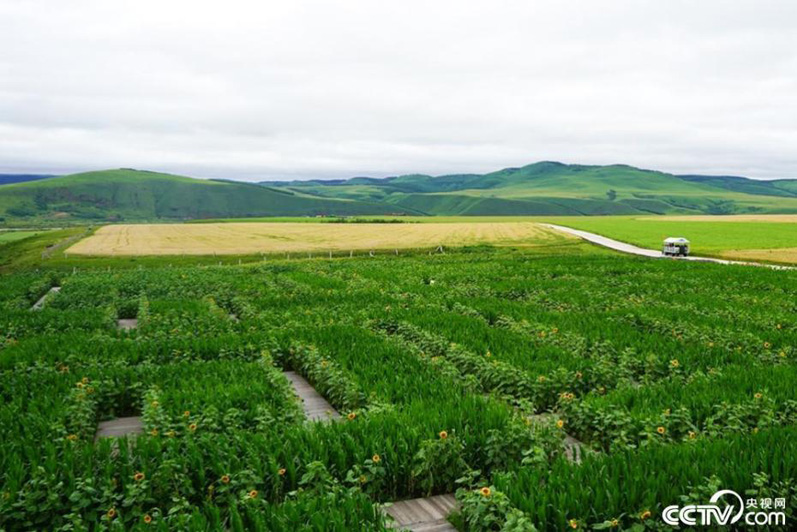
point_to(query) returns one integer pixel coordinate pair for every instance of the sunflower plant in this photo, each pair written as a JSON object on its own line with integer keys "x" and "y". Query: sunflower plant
{"x": 487, "y": 509}
{"x": 439, "y": 463}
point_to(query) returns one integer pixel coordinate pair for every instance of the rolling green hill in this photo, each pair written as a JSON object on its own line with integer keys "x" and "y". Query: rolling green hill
{"x": 546, "y": 188}
{"x": 776, "y": 187}
{"x": 134, "y": 195}
{"x": 550, "y": 188}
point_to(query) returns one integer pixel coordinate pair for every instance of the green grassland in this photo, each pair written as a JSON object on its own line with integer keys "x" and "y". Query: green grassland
{"x": 678, "y": 379}
{"x": 12, "y": 236}
{"x": 32, "y": 252}
{"x": 706, "y": 237}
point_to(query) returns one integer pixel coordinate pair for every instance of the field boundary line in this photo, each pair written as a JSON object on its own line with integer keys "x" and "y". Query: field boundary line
{"x": 65, "y": 244}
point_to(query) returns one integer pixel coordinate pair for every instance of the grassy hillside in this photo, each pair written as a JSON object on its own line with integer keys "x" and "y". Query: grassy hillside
{"x": 550, "y": 188}
{"x": 133, "y": 195}
{"x": 777, "y": 187}
{"x": 541, "y": 189}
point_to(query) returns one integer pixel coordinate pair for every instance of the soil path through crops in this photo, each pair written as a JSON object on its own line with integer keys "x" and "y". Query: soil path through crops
{"x": 650, "y": 253}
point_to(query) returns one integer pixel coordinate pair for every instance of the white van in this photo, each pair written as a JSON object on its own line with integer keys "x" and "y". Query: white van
{"x": 675, "y": 247}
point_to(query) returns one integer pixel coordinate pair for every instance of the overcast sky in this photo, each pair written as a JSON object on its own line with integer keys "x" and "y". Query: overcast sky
{"x": 321, "y": 89}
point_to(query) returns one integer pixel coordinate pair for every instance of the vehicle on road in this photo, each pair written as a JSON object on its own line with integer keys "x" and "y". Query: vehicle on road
{"x": 675, "y": 247}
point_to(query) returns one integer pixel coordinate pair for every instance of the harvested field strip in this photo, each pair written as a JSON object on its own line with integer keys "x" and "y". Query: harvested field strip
{"x": 785, "y": 255}
{"x": 256, "y": 238}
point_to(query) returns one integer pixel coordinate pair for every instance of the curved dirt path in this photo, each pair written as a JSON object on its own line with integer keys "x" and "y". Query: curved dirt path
{"x": 650, "y": 253}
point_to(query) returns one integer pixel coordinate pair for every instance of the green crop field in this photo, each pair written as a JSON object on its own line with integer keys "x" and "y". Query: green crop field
{"x": 759, "y": 238}
{"x": 469, "y": 373}
{"x": 12, "y": 236}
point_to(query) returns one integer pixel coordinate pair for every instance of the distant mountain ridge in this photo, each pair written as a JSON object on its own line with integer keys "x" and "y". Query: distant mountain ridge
{"x": 545, "y": 188}
{"x": 553, "y": 188}
{"x": 7, "y": 179}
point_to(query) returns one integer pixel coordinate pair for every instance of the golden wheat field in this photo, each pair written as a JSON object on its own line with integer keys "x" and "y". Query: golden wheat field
{"x": 255, "y": 238}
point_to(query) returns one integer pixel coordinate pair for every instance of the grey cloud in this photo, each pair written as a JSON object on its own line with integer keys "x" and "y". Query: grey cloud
{"x": 300, "y": 89}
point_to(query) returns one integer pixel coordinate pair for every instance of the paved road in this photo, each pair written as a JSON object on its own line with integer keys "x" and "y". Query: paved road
{"x": 651, "y": 253}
